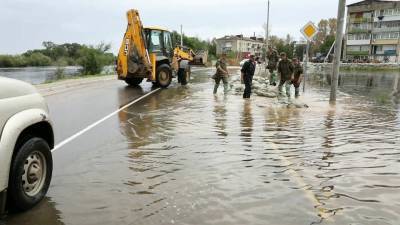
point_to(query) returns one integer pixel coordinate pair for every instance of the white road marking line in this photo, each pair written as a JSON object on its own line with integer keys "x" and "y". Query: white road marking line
{"x": 66, "y": 141}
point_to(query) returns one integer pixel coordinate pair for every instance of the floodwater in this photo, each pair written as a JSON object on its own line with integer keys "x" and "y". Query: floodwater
{"x": 184, "y": 156}
{"x": 38, "y": 75}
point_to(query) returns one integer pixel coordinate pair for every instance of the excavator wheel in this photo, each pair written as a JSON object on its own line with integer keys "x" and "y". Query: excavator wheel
{"x": 164, "y": 76}
{"x": 133, "y": 81}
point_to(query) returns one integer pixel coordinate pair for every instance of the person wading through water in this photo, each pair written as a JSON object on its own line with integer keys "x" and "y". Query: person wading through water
{"x": 298, "y": 76}
{"x": 285, "y": 71}
{"x": 273, "y": 60}
{"x": 248, "y": 69}
{"x": 221, "y": 74}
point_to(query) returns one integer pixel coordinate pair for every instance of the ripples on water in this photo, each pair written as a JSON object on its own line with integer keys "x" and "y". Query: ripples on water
{"x": 183, "y": 156}
{"x": 219, "y": 160}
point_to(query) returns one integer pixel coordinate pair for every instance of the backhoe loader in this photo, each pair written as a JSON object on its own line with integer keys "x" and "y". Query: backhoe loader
{"x": 148, "y": 53}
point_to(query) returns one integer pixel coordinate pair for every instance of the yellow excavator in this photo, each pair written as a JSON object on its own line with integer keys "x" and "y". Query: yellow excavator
{"x": 148, "y": 53}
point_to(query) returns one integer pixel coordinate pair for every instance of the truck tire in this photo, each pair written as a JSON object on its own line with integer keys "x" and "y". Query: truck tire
{"x": 164, "y": 76}
{"x": 133, "y": 81}
{"x": 30, "y": 174}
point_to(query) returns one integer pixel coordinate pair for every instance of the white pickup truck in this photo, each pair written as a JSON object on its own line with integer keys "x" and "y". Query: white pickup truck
{"x": 26, "y": 140}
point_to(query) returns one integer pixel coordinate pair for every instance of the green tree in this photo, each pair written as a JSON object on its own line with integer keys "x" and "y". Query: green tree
{"x": 93, "y": 59}
{"x": 38, "y": 59}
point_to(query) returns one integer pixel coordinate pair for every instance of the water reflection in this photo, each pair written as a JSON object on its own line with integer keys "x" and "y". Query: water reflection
{"x": 38, "y": 75}
{"x": 45, "y": 213}
{"x": 182, "y": 156}
{"x": 220, "y": 114}
{"x": 246, "y": 124}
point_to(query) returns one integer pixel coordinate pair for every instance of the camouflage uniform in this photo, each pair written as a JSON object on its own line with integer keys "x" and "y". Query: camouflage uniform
{"x": 273, "y": 60}
{"x": 220, "y": 75}
{"x": 298, "y": 71}
{"x": 285, "y": 69}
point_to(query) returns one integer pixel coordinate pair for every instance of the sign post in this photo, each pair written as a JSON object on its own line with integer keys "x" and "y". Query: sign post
{"x": 309, "y": 31}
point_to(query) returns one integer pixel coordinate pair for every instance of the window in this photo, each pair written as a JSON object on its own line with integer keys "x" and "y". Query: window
{"x": 155, "y": 41}
{"x": 168, "y": 42}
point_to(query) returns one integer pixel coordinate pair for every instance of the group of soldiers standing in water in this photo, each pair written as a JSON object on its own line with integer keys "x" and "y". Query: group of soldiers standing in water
{"x": 290, "y": 72}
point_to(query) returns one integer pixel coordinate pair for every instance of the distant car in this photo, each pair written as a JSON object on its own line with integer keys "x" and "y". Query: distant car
{"x": 242, "y": 62}
{"x": 27, "y": 138}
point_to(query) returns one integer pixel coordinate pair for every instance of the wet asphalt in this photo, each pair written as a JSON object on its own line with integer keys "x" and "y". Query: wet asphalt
{"x": 183, "y": 156}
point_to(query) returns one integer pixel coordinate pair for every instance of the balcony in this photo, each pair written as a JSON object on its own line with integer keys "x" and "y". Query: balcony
{"x": 386, "y": 53}
{"x": 387, "y": 18}
{"x": 358, "y": 53}
{"x": 385, "y": 29}
{"x": 361, "y": 20}
{"x": 359, "y": 42}
{"x": 359, "y": 30}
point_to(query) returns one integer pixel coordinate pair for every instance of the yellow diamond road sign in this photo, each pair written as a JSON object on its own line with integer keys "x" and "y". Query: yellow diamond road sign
{"x": 309, "y": 31}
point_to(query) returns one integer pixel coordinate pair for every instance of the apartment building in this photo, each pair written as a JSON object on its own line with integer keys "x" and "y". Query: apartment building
{"x": 240, "y": 45}
{"x": 373, "y": 31}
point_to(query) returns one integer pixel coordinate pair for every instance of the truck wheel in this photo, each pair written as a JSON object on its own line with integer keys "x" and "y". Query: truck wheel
{"x": 30, "y": 174}
{"x": 164, "y": 76}
{"x": 133, "y": 81}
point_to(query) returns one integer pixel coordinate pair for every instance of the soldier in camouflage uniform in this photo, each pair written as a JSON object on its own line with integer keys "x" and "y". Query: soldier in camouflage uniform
{"x": 285, "y": 71}
{"x": 221, "y": 74}
{"x": 273, "y": 60}
{"x": 298, "y": 76}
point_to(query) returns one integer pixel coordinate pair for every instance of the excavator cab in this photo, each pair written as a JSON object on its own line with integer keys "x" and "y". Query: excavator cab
{"x": 159, "y": 42}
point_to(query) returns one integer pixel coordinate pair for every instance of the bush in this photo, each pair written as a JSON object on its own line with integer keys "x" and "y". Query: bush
{"x": 6, "y": 61}
{"x": 38, "y": 59}
{"x": 93, "y": 59}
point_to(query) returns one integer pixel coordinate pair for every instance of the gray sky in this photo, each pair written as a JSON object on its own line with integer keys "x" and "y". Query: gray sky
{"x": 26, "y": 24}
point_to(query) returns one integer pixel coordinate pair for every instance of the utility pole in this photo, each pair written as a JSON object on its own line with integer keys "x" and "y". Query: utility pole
{"x": 181, "y": 35}
{"x": 267, "y": 38}
{"x": 398, "y": 48}
{"x": 338, "y": 50}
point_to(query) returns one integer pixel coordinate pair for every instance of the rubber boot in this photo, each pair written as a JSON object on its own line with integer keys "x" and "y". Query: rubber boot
{"x": 297, "y": 92}
{"x": 287, "y": 86}
{"x": 273, "y": 79}
{"x": 280, "y": 88}
{"x": 215, "y": 88}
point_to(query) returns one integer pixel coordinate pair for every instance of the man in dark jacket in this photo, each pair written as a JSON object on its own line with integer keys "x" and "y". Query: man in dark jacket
{"x": 273, "y": 60}
{"x": 248, "y": 69}
{"x": 285, "y": 71}
{"x": 298, "y": 76}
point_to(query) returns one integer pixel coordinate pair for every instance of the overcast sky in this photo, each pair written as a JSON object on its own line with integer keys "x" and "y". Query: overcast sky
{"x": 25, "y": 24}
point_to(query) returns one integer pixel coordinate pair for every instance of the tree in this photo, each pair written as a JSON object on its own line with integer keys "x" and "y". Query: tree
{"x": 94, "y": 58}
{"x": 332, "y": 26}
{"x": 212, "y": 47}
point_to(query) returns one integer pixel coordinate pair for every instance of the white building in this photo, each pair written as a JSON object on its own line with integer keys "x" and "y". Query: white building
{"x": 373, "y": 31}
{"x": 240, "y": 45}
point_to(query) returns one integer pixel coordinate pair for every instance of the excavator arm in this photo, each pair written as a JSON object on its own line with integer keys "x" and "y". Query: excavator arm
{"x": 133, "y": 58}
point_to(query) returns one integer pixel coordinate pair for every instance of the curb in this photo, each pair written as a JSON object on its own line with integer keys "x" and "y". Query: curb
{"x": 62, "y": 86}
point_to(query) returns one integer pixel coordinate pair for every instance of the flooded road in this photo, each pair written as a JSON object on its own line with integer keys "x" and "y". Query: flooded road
{"x": 184, "y": 156}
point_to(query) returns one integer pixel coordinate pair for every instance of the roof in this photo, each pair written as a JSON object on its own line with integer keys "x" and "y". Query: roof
{"x": 156, "y": 28}
{"x": 233, "y": 37}
{"x": 366, "y": 2}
